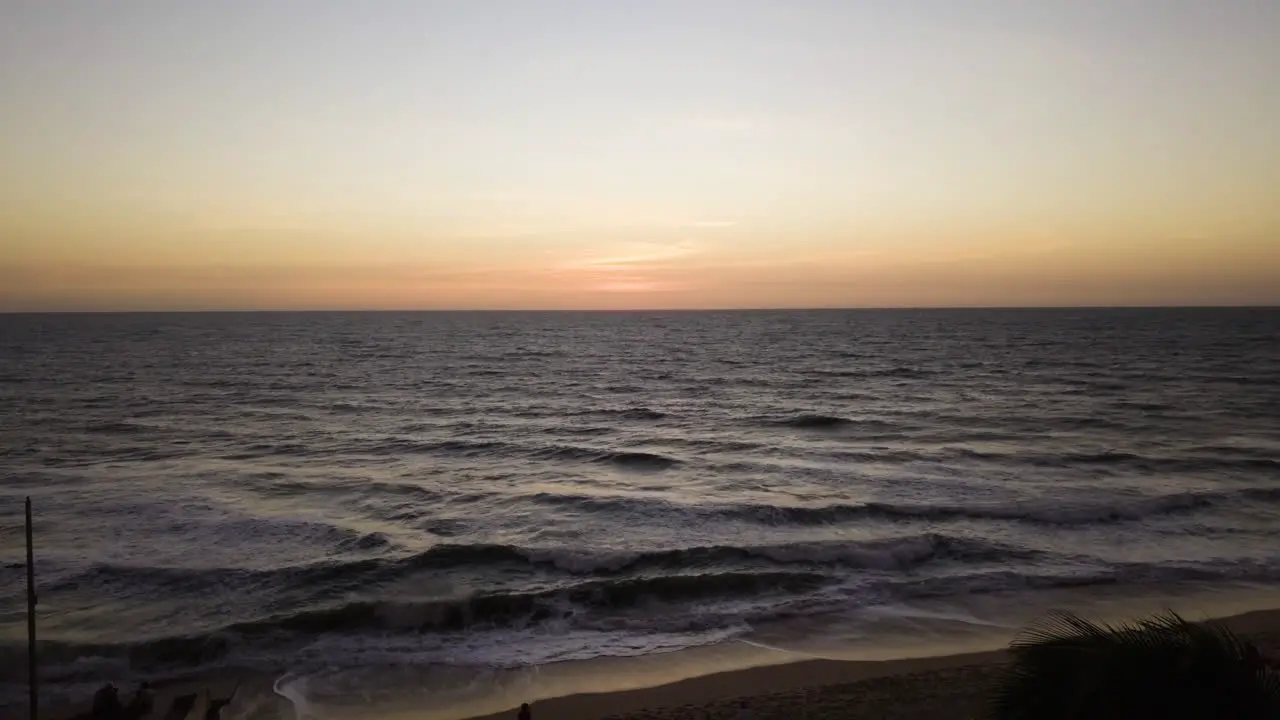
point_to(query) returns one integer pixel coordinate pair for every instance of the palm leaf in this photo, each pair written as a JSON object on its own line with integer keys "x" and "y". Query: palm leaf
{"x": 1068, "y": 668}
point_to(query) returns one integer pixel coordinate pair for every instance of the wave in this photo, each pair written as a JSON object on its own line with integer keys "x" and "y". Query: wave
{"x": 896, "y": 554}
{"x": 703, "y": 444}
{"x": 637, "y": 460}
{"x": 1081, "y": 422}
{"x": 468, "y": 449}
{"x": 271, "y": 484}
{"x": 63, "y": 662}
{"x": 591, "y": 602}
{"x": 508, "y": 608}
{"x": 1146, "y": 463}
{"x": 1040, "y": 513}
{"x": 892, "y": 554}
{"x": 898, "y": 372}
{"x": 122, "y": 427}
{"x": 639, "y": 413}
{"x": 178, "y": 582}
{"x": 1160, "y": 575}
{"x": 816, "y": 421}
{"x": 1048, "y": 512}
{"x": 483, "y": 611}
{"x": 366, "y": 542}
{"x": 625, "y": 459}
{"x": 254, "y": 451}
{"x": 1267, "y": 494}
{"x": 483, "y": 447}
{"x": 812, "y": 422}
{"x": 528, "y": 353}
{"x": 642, "y": 413}
{"x": 1059, "y": 513}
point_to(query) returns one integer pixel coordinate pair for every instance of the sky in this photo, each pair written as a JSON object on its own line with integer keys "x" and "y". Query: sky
{"x": 612, "y": 154}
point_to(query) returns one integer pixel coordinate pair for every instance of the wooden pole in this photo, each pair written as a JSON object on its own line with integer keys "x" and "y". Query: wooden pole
{"x": 32, "y": 680}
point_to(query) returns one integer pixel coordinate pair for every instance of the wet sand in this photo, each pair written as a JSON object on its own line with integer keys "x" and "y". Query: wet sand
{"x": 797, "y": 690}
{"x": 953, "y": 687}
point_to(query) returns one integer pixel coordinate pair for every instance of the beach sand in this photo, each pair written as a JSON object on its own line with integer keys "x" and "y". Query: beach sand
{"x": 953, "y": 687}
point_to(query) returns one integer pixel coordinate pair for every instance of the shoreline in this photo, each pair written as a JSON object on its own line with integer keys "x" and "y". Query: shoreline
{"x": 724, "y": 689}
{"x": 945, "y": 687}
{"x": 917, "y": 682}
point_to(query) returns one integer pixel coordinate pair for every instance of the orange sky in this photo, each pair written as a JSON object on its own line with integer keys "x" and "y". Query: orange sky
{"x": 817, "y": 154}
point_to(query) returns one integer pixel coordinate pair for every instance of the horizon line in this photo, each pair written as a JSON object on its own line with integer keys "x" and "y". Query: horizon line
{"x": 861, "y": 308}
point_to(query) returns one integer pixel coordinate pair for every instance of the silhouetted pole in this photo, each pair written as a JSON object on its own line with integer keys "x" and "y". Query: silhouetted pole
{"x": 32, "y": 680}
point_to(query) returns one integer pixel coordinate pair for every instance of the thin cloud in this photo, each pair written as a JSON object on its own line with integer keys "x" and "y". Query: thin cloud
{"x": 711, "y": 224}
{"x": 637, "y": 254}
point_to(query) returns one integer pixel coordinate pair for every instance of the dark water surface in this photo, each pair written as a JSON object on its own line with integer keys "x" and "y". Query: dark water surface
{"x": 284, "y": 490}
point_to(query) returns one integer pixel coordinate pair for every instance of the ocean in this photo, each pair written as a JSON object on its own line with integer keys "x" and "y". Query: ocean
{"x": 317, "y": 492}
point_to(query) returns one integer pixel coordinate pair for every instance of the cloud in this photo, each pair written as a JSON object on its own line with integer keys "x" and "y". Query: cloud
{"x": 636, "y": 255}
{"x": 711, "y": 224}
{"x": 634, "y": 267}
{"x": 627, "y": 284}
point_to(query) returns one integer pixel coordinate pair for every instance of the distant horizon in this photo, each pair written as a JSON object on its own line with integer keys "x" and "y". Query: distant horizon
{"x": 630, "y": 311}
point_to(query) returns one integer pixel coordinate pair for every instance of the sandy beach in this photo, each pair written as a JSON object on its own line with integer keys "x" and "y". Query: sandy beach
{"x": 944, "y": 688}
{"x": 902, "y": 688}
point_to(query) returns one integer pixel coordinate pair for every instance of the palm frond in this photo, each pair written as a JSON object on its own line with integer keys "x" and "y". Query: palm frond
{"x": 1067, "y": 667}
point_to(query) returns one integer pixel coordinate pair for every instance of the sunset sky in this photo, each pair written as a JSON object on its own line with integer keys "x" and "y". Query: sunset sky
{"x": 638, "y": 153}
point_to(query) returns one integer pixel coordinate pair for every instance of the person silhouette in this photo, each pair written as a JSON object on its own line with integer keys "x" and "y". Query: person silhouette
{"x": 525, "y": 713}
